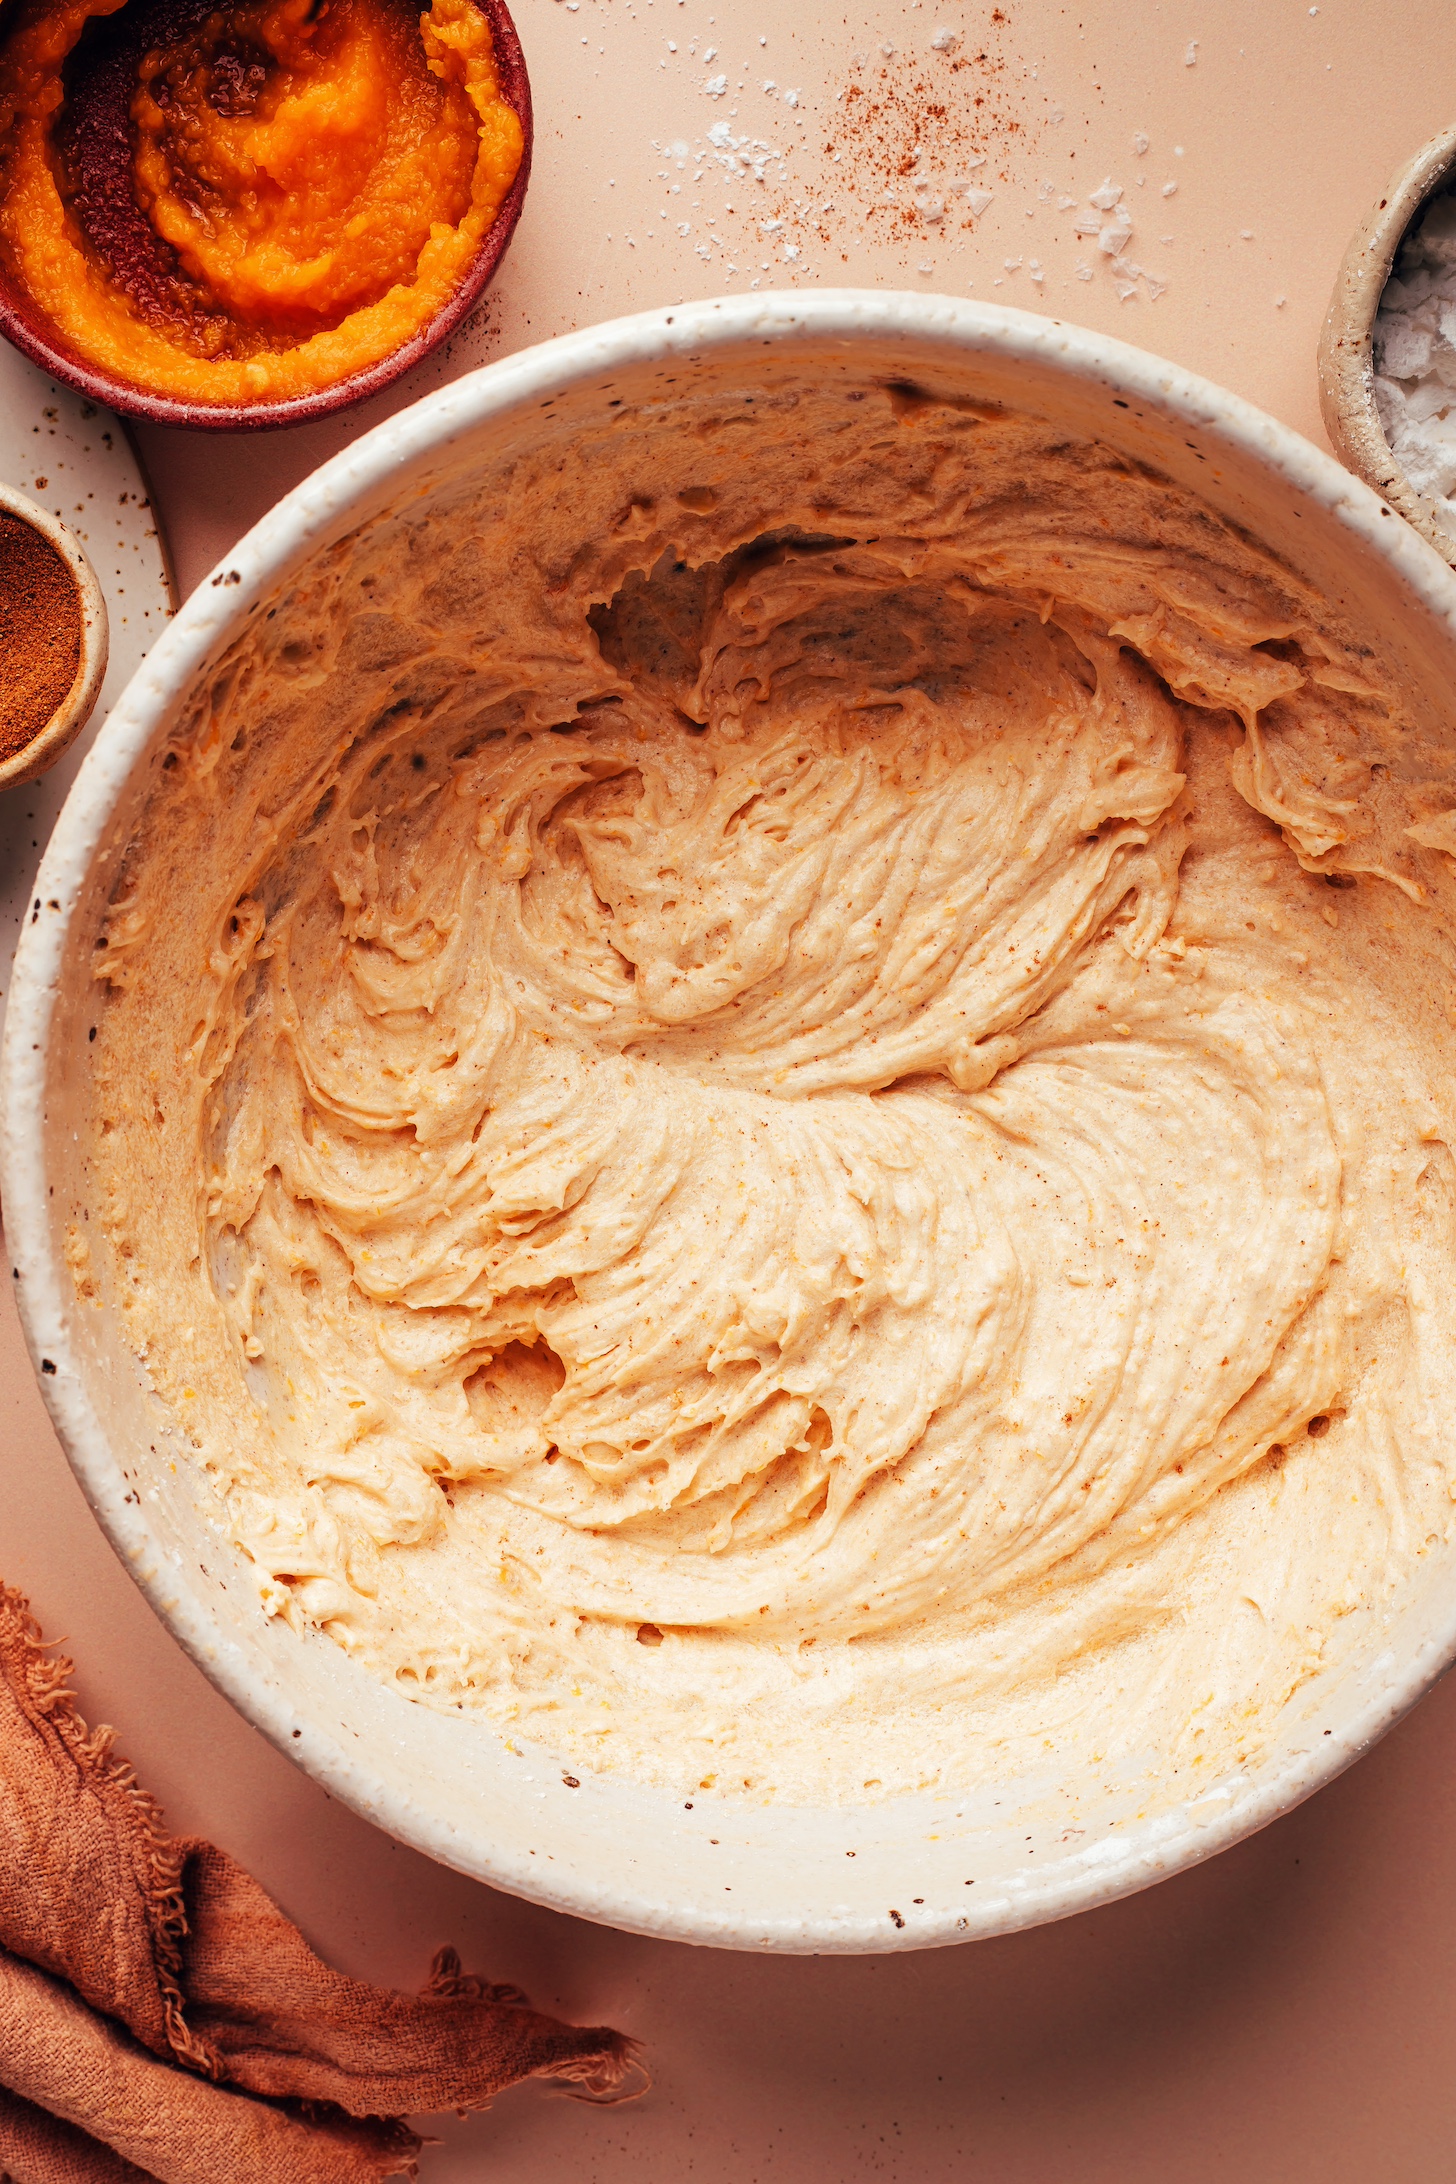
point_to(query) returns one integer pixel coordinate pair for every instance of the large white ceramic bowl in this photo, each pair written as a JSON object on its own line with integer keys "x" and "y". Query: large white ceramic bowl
{"x": 735, "y": 1875}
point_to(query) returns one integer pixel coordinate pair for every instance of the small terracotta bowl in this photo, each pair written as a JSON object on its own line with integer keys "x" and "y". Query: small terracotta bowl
{"x": 1346, "y": 372}
{"x": 31, "y": 331}
{"x": 71, "y": 716}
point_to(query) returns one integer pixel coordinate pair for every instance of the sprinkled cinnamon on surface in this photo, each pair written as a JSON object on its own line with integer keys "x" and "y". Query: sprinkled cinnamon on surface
{"x": 918, "y": 138}
{"x": 912, "y": 118}
{"x": 938, "y": 147}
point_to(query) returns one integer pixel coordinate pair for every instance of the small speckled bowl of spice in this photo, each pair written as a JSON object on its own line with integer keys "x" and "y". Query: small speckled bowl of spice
{"x": 1387, "y": 358}
{"x": 53, "y": 639}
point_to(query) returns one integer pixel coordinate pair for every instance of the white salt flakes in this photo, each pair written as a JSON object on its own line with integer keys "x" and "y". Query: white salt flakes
{"x": 1191, "y": 55}
{"x": 1112, "y": 239}
{"x": 1104, "y": 220}
{"x": 1414, "y": 354}
{"x": 1107, "y": 219}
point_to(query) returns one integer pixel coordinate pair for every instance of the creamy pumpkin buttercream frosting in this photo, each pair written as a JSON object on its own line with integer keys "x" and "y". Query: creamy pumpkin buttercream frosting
{"x": 774, "y": 1093}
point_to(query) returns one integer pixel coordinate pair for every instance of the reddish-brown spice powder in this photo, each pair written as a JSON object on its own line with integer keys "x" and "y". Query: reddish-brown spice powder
{"x": 40, "y": 633}
{"x": 900, "y": 127}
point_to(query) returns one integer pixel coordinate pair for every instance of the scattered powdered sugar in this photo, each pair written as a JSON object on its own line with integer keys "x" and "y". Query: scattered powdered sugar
{"x": 1415, "y": 358}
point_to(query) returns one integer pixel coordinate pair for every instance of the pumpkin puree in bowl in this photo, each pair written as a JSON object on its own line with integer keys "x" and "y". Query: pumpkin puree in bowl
{"x": 302, "y": 187}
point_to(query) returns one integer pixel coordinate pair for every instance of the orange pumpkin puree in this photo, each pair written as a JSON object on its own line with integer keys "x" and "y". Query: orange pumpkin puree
{"x": 317, "y": 180}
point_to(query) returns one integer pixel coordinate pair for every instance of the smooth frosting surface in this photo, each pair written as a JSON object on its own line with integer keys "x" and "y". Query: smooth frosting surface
{"x": 774, "y": 1095}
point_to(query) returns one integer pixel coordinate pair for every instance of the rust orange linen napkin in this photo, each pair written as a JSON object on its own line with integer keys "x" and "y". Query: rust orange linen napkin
{"x": 160, "y": 2019}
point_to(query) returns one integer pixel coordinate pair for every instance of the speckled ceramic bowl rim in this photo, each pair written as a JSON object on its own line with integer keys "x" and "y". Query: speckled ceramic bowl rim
{"x": 33, "y": 335}
{"x": 317, "y": 510}
{"x": 75, "y": 709}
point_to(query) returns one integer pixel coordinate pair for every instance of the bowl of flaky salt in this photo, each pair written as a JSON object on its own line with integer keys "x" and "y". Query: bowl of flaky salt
{"x": 726, "y": 1127}
{"x": 1387, "y": 358}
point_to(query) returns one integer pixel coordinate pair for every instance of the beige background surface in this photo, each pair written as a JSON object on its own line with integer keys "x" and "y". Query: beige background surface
{"x": 1289, "y": 2011}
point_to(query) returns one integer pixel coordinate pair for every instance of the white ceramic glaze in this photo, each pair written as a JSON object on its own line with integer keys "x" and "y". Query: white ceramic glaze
{"x": 735, "y": 1875}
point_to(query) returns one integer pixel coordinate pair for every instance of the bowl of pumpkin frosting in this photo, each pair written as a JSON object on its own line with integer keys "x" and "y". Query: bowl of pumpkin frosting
{"x": 253, "y": 214}
{"x": 728, "y": 1134}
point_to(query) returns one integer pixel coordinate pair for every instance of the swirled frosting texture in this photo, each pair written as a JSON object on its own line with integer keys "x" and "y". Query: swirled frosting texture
{"x": 792, "y": 1174}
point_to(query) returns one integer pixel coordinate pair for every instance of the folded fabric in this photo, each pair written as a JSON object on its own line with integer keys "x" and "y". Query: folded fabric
{"x": 38, "y": 2148}
{"x": 161, "y": 2019}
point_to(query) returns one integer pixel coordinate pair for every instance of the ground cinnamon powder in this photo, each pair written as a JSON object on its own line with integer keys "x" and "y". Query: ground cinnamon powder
{"x": 40, "y": 633}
